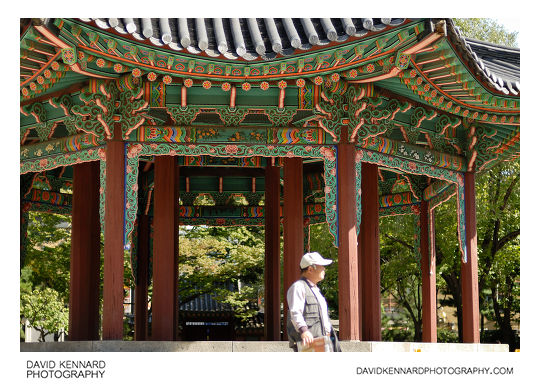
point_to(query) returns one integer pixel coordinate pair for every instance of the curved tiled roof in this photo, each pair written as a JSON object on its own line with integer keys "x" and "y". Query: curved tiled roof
{"x": 204, "y": 302}
{"x": 246, "y": 38}
{"x": 273, "y": 38}
{"x": 496, "y": 64}
{"x": 266, "y": 38}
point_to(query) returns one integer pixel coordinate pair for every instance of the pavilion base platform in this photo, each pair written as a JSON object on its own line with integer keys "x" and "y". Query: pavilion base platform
{"x": 250, "y": 346}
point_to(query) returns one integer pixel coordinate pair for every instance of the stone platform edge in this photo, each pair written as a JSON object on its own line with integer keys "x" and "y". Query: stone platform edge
{"x": 250, "y": 346}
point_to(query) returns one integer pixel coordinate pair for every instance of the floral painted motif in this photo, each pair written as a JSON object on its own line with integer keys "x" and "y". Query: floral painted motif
{"x": 188, "y": 82}
{"x": 118, "y": 68}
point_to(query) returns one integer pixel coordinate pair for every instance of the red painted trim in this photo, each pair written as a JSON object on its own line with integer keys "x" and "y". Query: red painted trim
{"x": 469, "y": 270}
{"x": 113, "y": 274}
{"x": 59, "y": 43}
{"x": 232, "y": 78}
{"x": 350, "y": 323}
{"x": 36, "y": 74}
{"x": 368, "y": 251}
{"x": 293, "y": 226}
{"x": 85, "y": 258}
{"x": 141, "y": 289}
{"x": 272, "y": 287}
{"x": 428, "y": 80}
{"x": 165, "y": 256}
{"x": 429, "y": 288}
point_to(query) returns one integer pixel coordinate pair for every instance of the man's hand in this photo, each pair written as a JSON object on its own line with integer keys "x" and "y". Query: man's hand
{"x": 307, "y": 338}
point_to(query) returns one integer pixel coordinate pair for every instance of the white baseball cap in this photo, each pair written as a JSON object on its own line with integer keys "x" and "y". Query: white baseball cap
{"x": 313, "y": 258}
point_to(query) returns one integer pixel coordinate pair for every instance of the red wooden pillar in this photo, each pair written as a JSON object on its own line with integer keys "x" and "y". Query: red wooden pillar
{"x": 165, "y": 263}
{"x": 368, "y": 249}
{"x": 293, "y": 225}
{"x": 429, "y": 288}
{"x": 113, "y": 269}
{"x": 349, "y": 309}
{"x": 141, "y": 289}
{"x": 272, "y": 316}
{"x": 85, "y": 258}
{"x": 469, "y": 269}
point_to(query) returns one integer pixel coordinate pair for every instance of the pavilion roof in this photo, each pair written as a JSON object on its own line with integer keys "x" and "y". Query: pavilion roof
{"x": 240, "y": 41}
{"x": 245, "y": 38}
{"x": 433, "y": 82}
{"x": 497, "y": 65}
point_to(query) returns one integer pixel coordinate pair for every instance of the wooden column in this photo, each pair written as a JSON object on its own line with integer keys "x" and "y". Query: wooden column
{"x": 113, "y": 269}
{"x": 469, "y": 269}
{"x": 85, "y": 254}
{"x": 141, "y": 289}
{"x": 349, "y": 309}
{"x": 368, "y": 250}
{"x": 272, "y": 316}
{"x": 165, "y": 263}
{"x": 293, "y": 226}
{"x": 429, "y": 288}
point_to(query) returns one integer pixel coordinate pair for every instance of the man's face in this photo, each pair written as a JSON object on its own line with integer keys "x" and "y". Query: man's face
{"x": 318, "y": 272}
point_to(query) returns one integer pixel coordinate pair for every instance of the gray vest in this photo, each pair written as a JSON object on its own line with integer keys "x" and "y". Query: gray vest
{"x": 312, "y": 314}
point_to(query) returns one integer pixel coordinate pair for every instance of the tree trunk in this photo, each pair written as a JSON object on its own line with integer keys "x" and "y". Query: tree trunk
{"x": 454, "y": 286}
{"x": 504, "y": 320}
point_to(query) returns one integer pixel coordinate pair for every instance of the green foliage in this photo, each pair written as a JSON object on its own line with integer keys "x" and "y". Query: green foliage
{"x": 45, "y": 310}
{"x": 48, "y": 252}
{"x": 400, "y": 267}
{"x": 321, "y": 240}
{"x": 487, "y": 30}
{"x": 498, "y": 228}
{"x": 396, "y": 327}
{"x": 445, "y": 335}
{"x": 211, "y": 259}
{"x": 498, "y": 243}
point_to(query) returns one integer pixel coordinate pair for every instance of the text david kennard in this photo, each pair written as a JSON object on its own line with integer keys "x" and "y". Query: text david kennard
{"x": 65, "y": 369}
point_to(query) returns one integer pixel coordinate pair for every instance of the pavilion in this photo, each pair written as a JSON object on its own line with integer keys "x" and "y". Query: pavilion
{"x": 303, "y": 120}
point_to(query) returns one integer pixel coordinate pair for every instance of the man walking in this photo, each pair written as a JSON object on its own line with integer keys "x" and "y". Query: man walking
{"x": 308, "y": 312}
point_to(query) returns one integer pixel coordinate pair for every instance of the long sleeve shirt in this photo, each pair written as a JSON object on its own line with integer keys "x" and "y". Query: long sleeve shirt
{"x": 296, "y": 299}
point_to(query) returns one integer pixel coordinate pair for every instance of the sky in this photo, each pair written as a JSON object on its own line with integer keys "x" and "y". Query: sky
{"x": 511, "y": 25}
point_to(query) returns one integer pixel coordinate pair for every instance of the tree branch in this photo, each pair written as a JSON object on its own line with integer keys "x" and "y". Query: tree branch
{"x": 507, "y": 238}
{"x": 397, "y": 240}
{"x": 509, "y": 192}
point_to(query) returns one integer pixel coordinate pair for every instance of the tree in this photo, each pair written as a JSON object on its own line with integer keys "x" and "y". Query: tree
{"x": 498, "y": 229}
{"x": 322, "y": 241}
{"x": 45, "y": 311}
{"x": 212, "y": 260}
{"x": 401, "y": 276}
{"x": 498, "y": 246}
{"x": 487, "y": 30}
{"x": 45, "y": 275}
{"x": 497, "y": 203}
{"x": 48, "y": 252}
